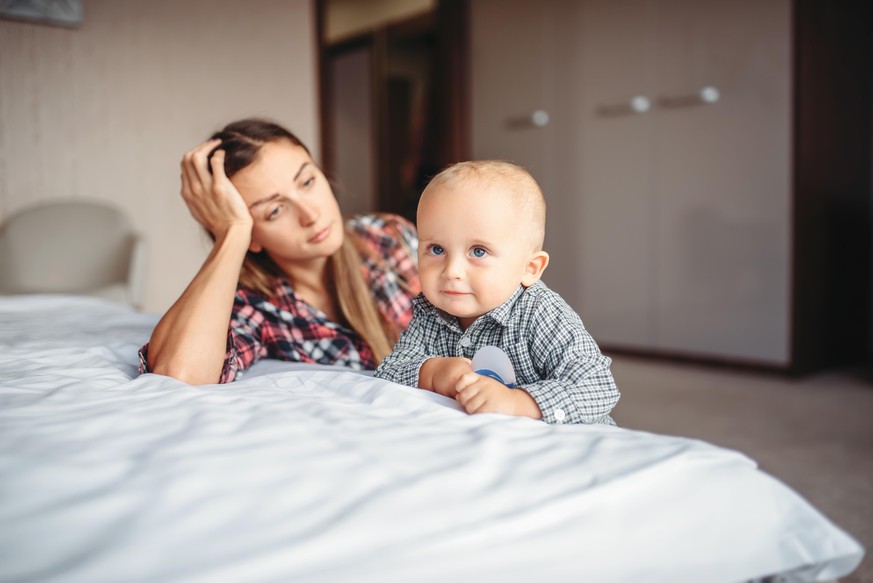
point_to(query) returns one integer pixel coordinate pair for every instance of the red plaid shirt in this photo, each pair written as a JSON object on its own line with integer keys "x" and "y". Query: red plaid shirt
{"x": 287, "y": 328}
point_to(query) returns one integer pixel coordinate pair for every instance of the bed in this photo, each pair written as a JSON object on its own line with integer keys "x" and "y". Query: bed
{"x": 312, "y": 473}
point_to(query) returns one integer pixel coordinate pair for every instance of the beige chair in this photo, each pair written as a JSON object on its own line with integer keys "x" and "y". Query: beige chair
{"x": 72, "y": 247}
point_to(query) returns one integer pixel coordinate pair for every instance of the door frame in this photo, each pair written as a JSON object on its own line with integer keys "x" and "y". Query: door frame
{"x": 451, "y": 23}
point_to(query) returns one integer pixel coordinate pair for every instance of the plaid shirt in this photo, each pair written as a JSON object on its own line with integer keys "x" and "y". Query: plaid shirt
{"x": 287, "y": 328}
{"x": 556, "y": 361}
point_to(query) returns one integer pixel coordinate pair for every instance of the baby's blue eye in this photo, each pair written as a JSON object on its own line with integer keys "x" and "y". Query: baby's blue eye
{"x": 479, "y": 252}
{"x": 435, "y": 250}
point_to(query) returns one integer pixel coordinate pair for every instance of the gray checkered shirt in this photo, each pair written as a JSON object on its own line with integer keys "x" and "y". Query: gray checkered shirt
{"x": 555, "y": 359}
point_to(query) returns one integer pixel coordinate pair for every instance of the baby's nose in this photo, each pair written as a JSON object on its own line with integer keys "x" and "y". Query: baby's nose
{"x": 453, "y": 268}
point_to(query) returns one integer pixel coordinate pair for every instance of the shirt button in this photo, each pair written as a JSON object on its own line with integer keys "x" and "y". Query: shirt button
{"x": 465, "y": 342}
{"x": 560, "y": 415}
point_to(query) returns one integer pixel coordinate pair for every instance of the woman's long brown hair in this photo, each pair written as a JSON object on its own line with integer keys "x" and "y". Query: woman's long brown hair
{"x": 242, "y": 141}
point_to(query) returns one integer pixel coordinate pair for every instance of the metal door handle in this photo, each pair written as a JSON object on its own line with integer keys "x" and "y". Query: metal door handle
{"x": 706, "y": 96}
{"x": 634, "y": 105}
{"x": 536, "y": 119}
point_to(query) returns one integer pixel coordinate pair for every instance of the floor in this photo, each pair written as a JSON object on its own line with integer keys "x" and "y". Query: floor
{"x": 813, "y": 433}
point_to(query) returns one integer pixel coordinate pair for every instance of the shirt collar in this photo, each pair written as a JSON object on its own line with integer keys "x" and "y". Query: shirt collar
{"x": 501, "y": 313}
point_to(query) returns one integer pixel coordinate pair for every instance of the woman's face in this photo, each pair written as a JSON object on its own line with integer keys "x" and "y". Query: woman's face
{"x": 296, "y": 217}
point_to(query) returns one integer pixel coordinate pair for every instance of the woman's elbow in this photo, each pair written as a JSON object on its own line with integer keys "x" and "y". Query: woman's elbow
{"x": 185, "y": 373}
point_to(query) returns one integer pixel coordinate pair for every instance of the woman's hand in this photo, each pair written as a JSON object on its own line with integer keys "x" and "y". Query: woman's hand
{"x": 212, "y": 198}
{"x": 190, "y": 341}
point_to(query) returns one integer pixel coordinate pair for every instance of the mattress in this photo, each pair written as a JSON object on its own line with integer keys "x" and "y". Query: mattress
{"x": 314, "y": 473}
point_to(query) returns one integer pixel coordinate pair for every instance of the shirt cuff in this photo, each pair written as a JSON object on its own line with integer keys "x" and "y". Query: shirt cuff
{"x": 401, "y": 372}
{"x": 231, "y": 368}
{"x": 144, "y": 359}
{"x": 554, "y": 403}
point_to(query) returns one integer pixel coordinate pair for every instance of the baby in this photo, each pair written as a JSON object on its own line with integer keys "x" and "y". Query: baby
{"x": 481, "y": 227}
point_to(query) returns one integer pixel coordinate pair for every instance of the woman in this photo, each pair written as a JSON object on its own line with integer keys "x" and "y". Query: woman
{"x": 287, "y": 277}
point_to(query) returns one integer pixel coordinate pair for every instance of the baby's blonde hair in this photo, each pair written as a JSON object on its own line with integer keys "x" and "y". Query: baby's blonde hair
{"x": 507, "y": 178}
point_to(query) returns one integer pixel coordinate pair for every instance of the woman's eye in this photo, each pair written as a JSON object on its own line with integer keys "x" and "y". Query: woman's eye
{"x": 309, "y": 182}
{"x": 274, "y": 213}
{"x": 435, "y": 250}
{"x": 479, "y": 252}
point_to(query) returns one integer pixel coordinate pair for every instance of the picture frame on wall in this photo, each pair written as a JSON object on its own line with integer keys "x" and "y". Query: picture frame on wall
{"x": 67, "y": 13}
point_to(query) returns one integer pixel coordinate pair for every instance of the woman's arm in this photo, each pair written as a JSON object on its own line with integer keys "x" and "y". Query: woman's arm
{"x": 189, "y": 343}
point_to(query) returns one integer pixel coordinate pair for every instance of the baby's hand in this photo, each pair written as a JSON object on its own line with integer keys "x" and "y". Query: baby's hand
{"x": 441, "y": 375}
{"x": 481, "y": 394}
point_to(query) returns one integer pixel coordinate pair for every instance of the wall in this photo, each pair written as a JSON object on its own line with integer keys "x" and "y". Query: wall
{"x": 105, "y": 111}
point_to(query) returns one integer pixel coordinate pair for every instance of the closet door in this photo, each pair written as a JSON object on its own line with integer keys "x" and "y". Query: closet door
{"x": 581, "y": 63}
{"x": 513, "y": 88}
{"x": 665, "y": 163}
{"x": 608, "y": 168}
{"x": 513, "y": 82}
{"x": 722, "y": 189}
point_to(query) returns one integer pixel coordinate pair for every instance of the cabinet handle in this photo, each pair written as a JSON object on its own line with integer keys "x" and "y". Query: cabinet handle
{"x": 706, "y": 96}
{"x": 536, "y": 119}
{"x": 634, "y": 105}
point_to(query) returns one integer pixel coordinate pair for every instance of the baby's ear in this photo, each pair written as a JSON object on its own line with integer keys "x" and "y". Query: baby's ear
{"x": 534, "y": 269}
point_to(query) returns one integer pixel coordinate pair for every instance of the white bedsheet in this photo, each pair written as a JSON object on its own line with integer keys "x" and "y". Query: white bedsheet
{"x": 304, "y": 473}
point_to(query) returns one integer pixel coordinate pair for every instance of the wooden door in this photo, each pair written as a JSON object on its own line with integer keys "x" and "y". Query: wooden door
{"x": 352, "y": 133}
{"x": 722, "y": 149}
{"x": 513, "y": 86}
{"x": 669, "y": 210}
{"x": 610, "y": 167}
{"x": 582, "y": 63}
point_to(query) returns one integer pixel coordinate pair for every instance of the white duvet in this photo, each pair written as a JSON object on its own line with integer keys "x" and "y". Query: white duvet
{"x": 305, "y": 473}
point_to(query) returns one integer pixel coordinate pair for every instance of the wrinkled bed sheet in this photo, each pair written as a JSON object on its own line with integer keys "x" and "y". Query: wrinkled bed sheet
{"x": 310, "y": 473}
